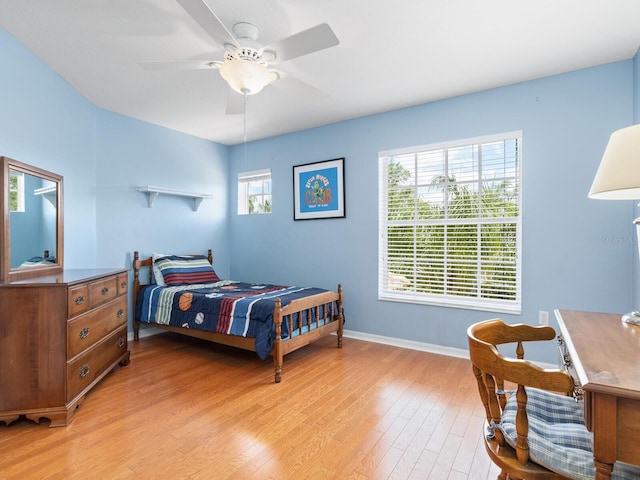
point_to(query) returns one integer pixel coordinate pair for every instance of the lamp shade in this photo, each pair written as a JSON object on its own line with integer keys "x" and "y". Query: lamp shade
{"x": 618, "y": 176}
{"x": 246, "y": 77}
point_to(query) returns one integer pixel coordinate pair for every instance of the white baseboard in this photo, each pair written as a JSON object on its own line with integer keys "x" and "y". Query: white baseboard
{"x": 410, "y": 344}
{"x": 423, "y": 347}
{"x": 370, "y": 337}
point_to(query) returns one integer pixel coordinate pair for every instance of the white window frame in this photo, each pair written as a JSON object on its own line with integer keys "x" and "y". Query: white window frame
{"x": 244, "y": 179}
{"x": 394, "y": 287}
{"x": 19, "y": 190}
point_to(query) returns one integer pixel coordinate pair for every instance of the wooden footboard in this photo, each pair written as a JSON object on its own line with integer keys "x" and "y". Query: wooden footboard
{"x": 323, "y": 310}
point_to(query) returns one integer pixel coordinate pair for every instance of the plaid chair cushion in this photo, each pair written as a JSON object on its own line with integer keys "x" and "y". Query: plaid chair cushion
{"x": 558, "y": 436}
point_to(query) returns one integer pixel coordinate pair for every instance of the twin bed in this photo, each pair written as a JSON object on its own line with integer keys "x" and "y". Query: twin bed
{"x": 183, "y": 294}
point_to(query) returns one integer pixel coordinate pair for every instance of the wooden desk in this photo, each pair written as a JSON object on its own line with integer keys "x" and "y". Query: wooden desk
{"x": 605, "y": 354}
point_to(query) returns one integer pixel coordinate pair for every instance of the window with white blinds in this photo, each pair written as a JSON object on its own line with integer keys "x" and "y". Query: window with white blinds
{"x": 254, "y": 192}
{"x": 450, "y": 224}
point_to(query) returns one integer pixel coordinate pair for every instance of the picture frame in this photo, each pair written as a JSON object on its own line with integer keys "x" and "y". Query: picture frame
{"x": 318, "y": 190}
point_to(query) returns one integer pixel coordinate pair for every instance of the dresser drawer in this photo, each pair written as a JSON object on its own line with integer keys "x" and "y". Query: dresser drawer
{"x": 102, "y": 291}
{"x": 123, "y": 283}
{"x": 77, "y": 299}
{"x": 84, "y": 369}
{"x": 87, "y": 329}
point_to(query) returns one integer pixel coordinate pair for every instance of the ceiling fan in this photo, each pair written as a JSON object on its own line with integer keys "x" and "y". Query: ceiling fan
{"x": 247, "y": 65}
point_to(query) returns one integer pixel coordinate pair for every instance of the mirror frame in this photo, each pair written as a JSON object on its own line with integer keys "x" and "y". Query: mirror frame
{"x": 8, "y": 274}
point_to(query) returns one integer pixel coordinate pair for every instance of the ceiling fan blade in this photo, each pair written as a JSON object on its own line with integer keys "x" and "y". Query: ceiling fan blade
{"x": 235, "y": 103}
{"x": 296, "y": 87}
{"x": 209, "y": 21}
{"x": 187, "y": 65}
{"x": 303, "y": 43}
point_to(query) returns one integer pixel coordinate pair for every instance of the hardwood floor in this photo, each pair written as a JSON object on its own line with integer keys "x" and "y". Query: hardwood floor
{"x": 188, "y": 409}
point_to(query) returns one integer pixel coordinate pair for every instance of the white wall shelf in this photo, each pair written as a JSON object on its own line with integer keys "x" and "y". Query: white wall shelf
{"x": 49, "y": 193}
{"x": 153, "y": 192}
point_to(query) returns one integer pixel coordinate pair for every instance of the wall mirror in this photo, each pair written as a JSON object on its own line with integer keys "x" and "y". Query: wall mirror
{"x": 31, "y": 216}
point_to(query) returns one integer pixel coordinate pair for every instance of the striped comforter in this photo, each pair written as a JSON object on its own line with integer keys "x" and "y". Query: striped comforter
{"x": 228, "y": 307}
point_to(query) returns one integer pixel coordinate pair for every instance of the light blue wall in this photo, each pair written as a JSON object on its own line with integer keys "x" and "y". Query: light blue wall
{"x": 130, "y": 154}
{"x": 46, "y": 123}
{"x": 572, "y": 254}
{"x": 103, "y": 156}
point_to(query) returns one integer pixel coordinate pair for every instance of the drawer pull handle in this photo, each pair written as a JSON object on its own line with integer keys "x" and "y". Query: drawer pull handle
{"x": 120, "y": 342}
{"x": 120, "y": 313}
{"x": 123, "y": 285}
{"x": 105, "y": 290}
{"x": 84, "y": 371}
{"x": 84, "y": 333}
{"x": 79, "y": 300}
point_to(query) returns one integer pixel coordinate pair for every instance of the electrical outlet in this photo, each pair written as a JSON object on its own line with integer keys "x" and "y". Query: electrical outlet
{"x": 543, "y": 317}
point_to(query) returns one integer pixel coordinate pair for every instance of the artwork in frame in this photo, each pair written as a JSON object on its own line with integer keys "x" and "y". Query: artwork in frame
{"x": 318, "y": 190}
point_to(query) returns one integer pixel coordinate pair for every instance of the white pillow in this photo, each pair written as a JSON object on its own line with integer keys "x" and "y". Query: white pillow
{"x": 157, "y": 273}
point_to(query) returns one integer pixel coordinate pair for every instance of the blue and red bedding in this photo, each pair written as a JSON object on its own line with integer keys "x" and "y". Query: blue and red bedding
{"x": 227, "y": 307}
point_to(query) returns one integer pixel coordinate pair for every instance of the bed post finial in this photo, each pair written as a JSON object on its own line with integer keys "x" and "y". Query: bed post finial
{"x": 136, "y": 266}
{"x": 340, "y": 317}
{"x": 136, "y": 290}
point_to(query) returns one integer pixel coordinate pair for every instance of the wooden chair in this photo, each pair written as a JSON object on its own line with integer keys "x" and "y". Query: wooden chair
{"x": 492, "y": 370}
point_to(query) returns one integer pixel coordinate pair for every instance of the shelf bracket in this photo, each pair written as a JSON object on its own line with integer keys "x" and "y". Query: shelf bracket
{"x": 151, "y": 197}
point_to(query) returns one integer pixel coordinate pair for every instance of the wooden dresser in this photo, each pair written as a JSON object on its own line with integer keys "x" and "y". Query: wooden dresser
{"x": 59, "y": 336}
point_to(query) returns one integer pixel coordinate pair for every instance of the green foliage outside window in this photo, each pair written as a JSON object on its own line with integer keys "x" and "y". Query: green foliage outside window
{"x": 454, "y": 237}
{"x": 256, "y": 207}
{"x": 14, "y": 193}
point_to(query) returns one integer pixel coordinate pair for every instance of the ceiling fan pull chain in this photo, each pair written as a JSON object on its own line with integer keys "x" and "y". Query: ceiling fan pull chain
{"x": 244, "y": 117}
{"x": 244, "y": 126}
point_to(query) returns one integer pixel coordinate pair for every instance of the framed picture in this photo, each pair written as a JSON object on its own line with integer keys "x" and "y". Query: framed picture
{"x": 318, "y": 190}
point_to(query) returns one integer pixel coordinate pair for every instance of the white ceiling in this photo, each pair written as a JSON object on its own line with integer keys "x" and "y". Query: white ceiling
{"x": 392, "y": 54}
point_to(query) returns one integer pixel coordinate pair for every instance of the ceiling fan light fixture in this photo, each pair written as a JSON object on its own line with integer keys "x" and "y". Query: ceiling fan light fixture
{"x": 246, "y": 77}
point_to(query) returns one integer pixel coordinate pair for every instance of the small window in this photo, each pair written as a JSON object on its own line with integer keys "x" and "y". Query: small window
{"x": 254, "y": 192}
{"x": 16, "y": 192}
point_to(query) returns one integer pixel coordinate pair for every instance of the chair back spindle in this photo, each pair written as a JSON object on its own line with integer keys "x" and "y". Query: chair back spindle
{"x": 503, "y": 385}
